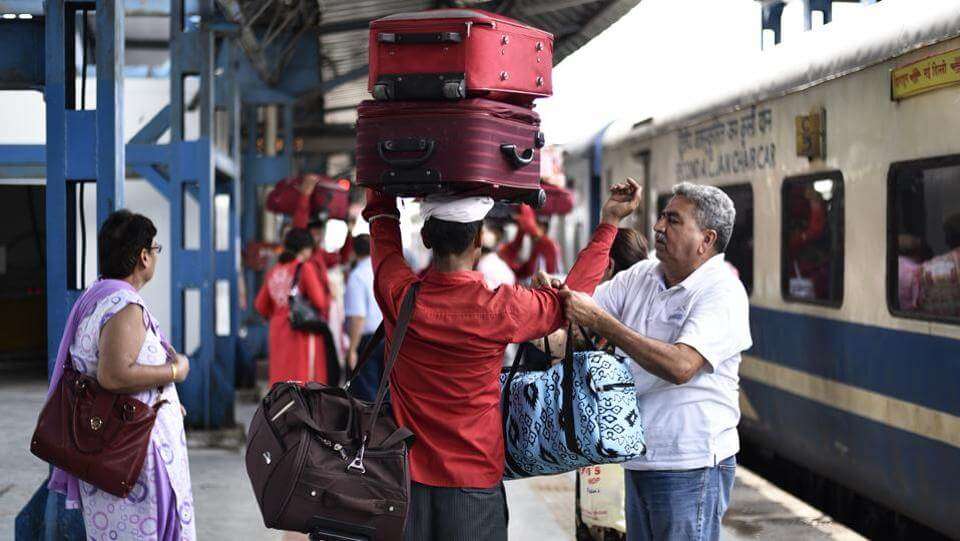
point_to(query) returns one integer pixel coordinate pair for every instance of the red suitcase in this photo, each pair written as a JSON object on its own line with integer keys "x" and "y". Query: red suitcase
{"x": 329, "y": 197}
{"x": 458, "y": 53}
{"x": 474, "y": 146}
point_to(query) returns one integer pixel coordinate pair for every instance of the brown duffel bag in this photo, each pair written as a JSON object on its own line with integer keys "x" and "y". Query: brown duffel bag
{"x": 322, "y": 462}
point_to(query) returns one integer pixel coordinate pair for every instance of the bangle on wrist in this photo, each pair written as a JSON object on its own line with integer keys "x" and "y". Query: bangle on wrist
{"x": 173, "y": 368}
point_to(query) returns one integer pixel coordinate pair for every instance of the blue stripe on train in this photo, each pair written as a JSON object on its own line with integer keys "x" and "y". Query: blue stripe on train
{"x": 911, "y": 474}
{"x": 918, "y": 368}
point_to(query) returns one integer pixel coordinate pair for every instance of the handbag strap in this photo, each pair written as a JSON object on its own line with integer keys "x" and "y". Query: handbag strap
{"x": 296, "y": 276}
{"x": 514, "y": 368}
{"x": 566, "y": 387}
{"x": 505, "y": 399}
{"x": 399, "y": 332}
{"x": 589, "y": 337}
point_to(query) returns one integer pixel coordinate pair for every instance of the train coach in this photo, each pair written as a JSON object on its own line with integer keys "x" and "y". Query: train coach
{"x": 841, "y": 151}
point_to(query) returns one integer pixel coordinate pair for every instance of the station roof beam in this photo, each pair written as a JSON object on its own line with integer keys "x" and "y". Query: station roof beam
{"x": 772, "y": 14}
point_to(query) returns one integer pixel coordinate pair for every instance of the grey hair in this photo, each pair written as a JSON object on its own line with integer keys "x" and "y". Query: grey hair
{"x": 714, "y": 210}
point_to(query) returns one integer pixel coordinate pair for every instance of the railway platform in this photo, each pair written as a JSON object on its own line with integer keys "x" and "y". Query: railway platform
{"x": 540, "y": 508}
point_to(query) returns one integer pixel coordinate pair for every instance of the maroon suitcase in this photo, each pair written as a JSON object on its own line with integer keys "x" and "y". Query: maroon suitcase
{"x": 458, "y": 53}
{"x": 474, "y": 146}
{"x": 329, "y": 197}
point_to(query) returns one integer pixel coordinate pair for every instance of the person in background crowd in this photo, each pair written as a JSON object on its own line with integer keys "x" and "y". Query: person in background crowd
{"x": 294, "y": 355}
{"x": 111, "y": 335}
{"x": 629, "y": 248}
{"x": 912, "y": 251}
{"x": 495, "y": 270}
{"x": 939, "y": 277}
{"x": 325, "y": 261}
{"x": 807, "y": 250}
{"x": 317, "y": 227}
{"x": 684, "y": 321}
{"x": 363, "y": 318}
{"x": 445, "y": 387}
{"x": 544, "y": 253}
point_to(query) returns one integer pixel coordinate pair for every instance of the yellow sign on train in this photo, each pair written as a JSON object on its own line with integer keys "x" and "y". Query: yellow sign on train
{"x": 925, "y": 75}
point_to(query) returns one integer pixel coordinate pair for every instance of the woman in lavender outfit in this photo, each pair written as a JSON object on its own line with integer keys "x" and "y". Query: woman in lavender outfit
{"x": 111, "y": 335}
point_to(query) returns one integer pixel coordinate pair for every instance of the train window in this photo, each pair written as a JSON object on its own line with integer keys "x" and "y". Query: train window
{"x": 740, "y": 249}
{"x": 923, "y": 277}
{"x": 811, "y": 266}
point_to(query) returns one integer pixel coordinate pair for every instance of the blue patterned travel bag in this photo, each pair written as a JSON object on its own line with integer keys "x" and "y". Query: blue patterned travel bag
{"x": 580, "y": 412}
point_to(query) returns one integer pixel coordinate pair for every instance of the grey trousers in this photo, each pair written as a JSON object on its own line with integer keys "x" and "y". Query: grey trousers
{"x": 456, "y": 514}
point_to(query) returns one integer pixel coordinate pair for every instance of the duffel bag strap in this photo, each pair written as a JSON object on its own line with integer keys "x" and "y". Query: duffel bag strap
{"x": 401, "y": 434}
{"x": 365, "y": 354}
{"x": 399, "y": 332}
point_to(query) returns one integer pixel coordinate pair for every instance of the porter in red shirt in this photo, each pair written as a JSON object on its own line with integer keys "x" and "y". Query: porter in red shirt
{"x": 445, "y": 384}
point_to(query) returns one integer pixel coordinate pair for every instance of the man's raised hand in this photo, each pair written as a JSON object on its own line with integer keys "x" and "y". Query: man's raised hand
{"x": 623, "y": 201}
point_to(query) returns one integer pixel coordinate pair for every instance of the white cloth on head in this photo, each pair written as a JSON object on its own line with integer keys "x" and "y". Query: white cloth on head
{"x": 462, "y": 210}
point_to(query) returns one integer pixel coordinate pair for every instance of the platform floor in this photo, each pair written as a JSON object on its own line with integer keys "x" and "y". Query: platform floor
{"x": 540, "y": 508}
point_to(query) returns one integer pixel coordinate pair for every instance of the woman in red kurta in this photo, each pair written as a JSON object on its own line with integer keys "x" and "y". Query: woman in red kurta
{"x": 544, "y": 253}
{"x": 294, "y": 355}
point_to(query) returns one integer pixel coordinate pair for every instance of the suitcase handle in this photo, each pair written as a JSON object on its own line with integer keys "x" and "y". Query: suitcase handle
{"x": 406, "y": 145}
{"x": 419, "y": 37}
{"x": 516, "y": 158}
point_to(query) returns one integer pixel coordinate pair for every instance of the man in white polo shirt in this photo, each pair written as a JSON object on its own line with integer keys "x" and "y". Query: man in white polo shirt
{"x": 684, "y": 320}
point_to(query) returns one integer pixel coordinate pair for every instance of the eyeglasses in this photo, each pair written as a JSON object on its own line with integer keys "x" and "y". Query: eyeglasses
{"x": 158, "y": 248}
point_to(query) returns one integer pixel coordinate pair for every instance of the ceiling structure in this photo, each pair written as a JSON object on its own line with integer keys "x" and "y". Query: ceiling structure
{"x": 269, "y": 31}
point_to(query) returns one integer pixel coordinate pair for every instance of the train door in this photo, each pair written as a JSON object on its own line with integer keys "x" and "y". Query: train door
{"x": 23, "y": 326}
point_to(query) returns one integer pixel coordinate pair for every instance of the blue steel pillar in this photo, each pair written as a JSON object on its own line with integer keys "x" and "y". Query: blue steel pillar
{"x": 82, "y": 146}
{"x": 110, "y": 150}
{"x": 227, "y": 263}
{"x": 192, "y": 176}
{"x": 771, "y": 16}
{"x": 261, "y": 169}
{"x": 823, "y": 6}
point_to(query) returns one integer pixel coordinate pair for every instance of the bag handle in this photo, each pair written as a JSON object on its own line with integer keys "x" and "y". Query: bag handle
{"x": 353, "y": 419}
{"x": 415, "y": 144}
{"x": 514, "y": 367}
{"x": 419, "y": 38}
{"x": 566, "y": 386}
{"x": 399, "y": 332}
{"x": 517, "y": 158}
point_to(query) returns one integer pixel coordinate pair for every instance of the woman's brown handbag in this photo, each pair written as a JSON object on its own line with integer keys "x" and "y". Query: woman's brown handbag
{"x": 93, "y": 434}
{"x": 322, "y": 462}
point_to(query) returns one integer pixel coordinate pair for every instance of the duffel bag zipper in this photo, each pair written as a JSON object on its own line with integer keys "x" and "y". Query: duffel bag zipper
{"x": 331, "y": 446}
